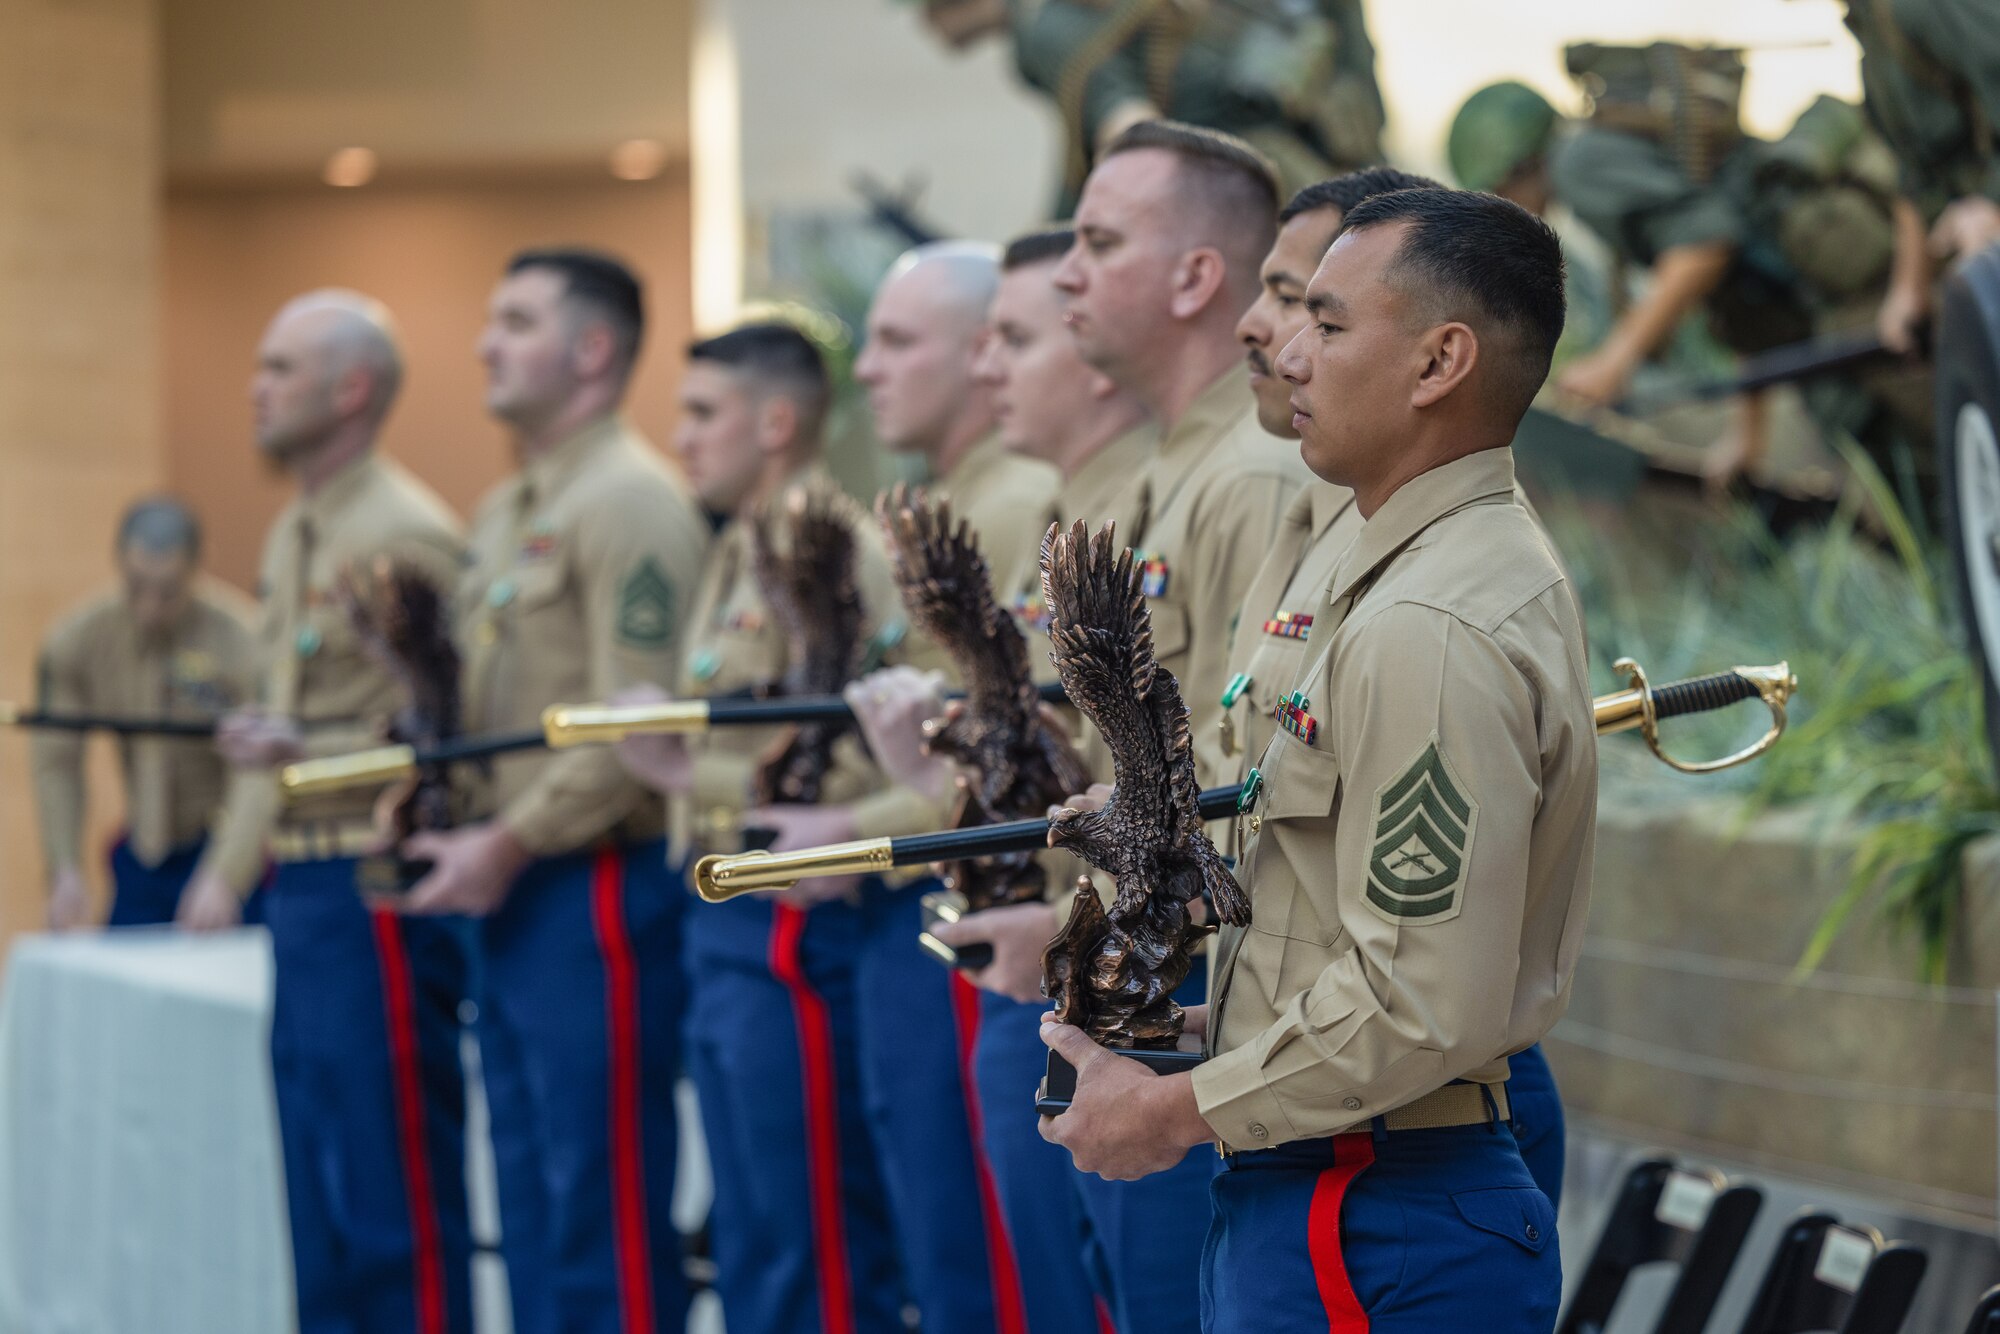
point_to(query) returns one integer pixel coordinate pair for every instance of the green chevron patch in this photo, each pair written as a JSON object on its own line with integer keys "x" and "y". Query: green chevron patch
{"x": 646, "y": 606}
{"x": 1424, "y": 820}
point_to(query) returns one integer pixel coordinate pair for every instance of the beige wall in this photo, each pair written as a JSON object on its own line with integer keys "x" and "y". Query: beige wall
{"x": 232, "y": 256}
{"x": 273, "y": 86}
{"x": 79, "y": 423}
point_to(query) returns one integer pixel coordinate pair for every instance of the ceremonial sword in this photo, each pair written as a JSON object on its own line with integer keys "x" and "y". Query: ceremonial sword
{"x": 720, "y": 877}
{"x": 567, "y": 725}
{"x": 14, "y": 716}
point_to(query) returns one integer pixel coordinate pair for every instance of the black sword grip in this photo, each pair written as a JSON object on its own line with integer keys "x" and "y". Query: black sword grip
{"x": 1700, "y": 694}
{"x": 723, "y": 712}
{"x": 92, "y": 722}
{"x": 973, "y": 957}
{"x": 993, "y": 840}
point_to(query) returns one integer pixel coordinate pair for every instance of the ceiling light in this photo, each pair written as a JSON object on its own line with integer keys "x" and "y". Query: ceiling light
{"x": 638, "y": 159}
{"x": 350, "y": 167}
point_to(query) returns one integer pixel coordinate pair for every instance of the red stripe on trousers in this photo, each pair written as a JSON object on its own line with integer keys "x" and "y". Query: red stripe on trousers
{"x": 1104, "y": 1325}
{"x": 836, "y": 1297}
{"x": 621, "y": 1008}
{"x": 1352, "y": 1155}
{"x": 406, "y": 1075}
{"x": 1010, "y": 1311}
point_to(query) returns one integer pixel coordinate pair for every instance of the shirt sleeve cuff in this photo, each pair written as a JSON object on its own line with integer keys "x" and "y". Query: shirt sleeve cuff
{"x": 534, "y": 824}
{"x": 895, "y": 811}
{"x": 1230, "y": 1093}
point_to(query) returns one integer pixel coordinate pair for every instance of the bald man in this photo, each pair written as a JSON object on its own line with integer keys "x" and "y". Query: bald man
{"x": 364, "y": 1026}
{"x": 917, "y": 1023}
{"x": 925, "y": 329}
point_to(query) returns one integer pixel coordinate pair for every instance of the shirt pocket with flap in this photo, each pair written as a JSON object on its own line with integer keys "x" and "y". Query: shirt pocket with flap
{"x": 536, "y": 587}
{"x": 1301, "y": 790}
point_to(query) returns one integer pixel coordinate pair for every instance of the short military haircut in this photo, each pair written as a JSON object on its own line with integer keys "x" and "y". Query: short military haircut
{"x": 1233, "y": 187}
{"x": 161, "y": 526}
{"x": 602, "y": 285}
{"x": 1037, "y": 248}
{"x": 1344, "y": 192}
{"x": 1482, "y": 260}
{"x": 774, "y": 357}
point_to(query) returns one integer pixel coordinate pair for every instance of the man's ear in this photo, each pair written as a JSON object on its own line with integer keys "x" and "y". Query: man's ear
{"x": 1450, "y": 352}
{"x": 1198, "y": 277}
{"x": 777, "y": 423}
{"x": 352, "y": 390}
{"x": 592, "y": 352}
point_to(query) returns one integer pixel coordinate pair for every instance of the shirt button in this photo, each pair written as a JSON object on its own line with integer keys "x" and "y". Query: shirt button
{"x": 1351, "y": 1104}
{"x": 1257, "y": 1131}
{"x": 1533, "y": 1233}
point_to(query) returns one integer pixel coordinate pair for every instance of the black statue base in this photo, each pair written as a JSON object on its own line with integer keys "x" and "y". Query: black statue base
{"x": 1059, "y": 1080}
{"x": 948, "y": 905}
{"x": 389, "y": 875}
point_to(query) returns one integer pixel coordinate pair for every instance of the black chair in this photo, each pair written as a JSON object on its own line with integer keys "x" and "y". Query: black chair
{"x": 1828, "y": 1277}
{"x": 1664, "y": 1215}
{"x": 1986, "y": 1315}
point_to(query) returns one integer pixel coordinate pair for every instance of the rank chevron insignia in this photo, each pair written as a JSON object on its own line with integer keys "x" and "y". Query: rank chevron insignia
{"x": 1423, "y": 838}
{"x": 646, "y": 606}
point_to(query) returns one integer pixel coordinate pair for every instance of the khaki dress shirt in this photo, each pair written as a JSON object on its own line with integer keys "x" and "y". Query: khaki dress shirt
{"x": 1268, "y": 646}
{"x": 1419, "y": 847}
{"x": 1002, "y": 495}
{"x": 313, "y": 668}
{"x": 98, "y": 660}
{"x": 583, "y": 568}
{"x": 1202, "y": 518}
{"x": 733, "y": 644}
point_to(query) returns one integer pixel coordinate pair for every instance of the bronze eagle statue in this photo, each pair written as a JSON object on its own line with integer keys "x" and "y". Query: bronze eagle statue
{"x": 404, "y": 624}
{"x": 1020, "y": 763}
{"x": 803, "y": 559}
{"x": 1113, "y": 973}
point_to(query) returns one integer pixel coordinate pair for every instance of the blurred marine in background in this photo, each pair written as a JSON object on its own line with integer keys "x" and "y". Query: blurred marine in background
{"x": 170, "y": 643}
{"x": 581, "y": 566}
{"x": 365, "y": 1024}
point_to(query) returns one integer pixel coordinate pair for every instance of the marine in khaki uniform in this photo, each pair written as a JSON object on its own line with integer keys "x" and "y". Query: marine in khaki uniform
{"x": 170, "y": 643}
{"x": 1172, "y": 226}
{"x": 1269, "y": 649}
{"x": 582, "y": 566}
{"x": 806, "y": 1064}
{"x": 1050, "y": 406}
{"x": 1421, "y": 833}
{"x": 364, "y": 1025}
{"x": 1171, "y": 230}
{"x": 925, "y": 327}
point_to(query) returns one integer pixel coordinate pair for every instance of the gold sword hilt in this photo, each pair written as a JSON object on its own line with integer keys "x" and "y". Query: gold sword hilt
{"x": 720, "y": 877}
{"x": 565, "y": 725}
{"x": 336, "y": 773}
{"x": 1643, "y": 705}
